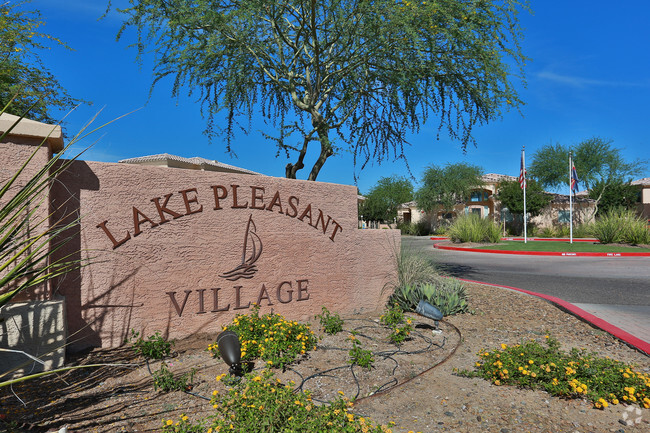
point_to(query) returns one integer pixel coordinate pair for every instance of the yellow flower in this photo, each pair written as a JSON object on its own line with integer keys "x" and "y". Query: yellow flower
{"x": 504, "y": 346}
{"x": 169, "y": 422}
{"x": 350, "y": 417}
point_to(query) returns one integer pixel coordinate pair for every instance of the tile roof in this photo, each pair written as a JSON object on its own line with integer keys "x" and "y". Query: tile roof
{"x": 196, "y": 162}
{"x": 495, "y": 177}
{"x": 644, "y": 181}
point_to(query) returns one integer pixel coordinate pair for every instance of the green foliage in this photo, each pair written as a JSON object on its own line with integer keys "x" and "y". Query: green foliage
{"x": 511, "y": 195}
{"x": 358, "y": 356}
{"x": 596, "y": 161}
{"x": 324, "y": 69}
{"x": 576, "y": 374}
{"x": 24, "y": 80}
{"x": 164, "y": 380}
{"x": 412, "y": 269}
{"x": 270, "y": 337}
{"x": 259, "y": 403}
{"x": 385, "y": 197}
{"x": 332, "y": 324}
{"x": 154, "y": 347}
{"x": 446, "y": 294}
{"x": 421, "y": 228}
{"x": 473, "y": 228}
{"x": 399, "y": 325}
{"x": 616, "y": 194}
{"x": 444, "y": 187}
{"x": 621, "y": 225}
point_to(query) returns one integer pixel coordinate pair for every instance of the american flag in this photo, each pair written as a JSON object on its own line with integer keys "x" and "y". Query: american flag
{"x": 522, "y": 172}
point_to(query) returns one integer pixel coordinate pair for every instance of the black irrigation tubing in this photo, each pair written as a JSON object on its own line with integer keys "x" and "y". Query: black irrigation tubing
{"x": 386, "y": 387}
{"x": 385, "y": 355}
{"x": 460, "y": 339}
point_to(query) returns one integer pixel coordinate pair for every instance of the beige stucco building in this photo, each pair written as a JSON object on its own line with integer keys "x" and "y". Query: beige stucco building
{"x": 482, "y": 202}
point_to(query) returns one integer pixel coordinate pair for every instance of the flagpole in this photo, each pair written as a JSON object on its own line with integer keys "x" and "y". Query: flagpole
{"x": 570, "y": 199}
{"x": 523, "y": 163}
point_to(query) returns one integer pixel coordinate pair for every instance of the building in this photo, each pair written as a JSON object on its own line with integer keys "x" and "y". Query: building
{"x": 643, "y": 208}
{"x": 194, "y": 163}
{"x": 483, "y": 203}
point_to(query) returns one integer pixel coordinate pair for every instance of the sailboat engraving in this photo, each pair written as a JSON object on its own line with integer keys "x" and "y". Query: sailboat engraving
{"x": 251, "y": 252}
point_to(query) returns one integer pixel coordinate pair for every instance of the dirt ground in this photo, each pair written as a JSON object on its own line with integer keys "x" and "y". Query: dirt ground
{"x": 415, "y": 386}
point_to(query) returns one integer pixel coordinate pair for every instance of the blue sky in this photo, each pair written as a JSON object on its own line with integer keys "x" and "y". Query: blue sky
{"x": 588, "y": 77}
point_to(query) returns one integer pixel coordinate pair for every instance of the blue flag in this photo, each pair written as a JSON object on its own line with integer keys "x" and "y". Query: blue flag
{"x": 574, "y": 179}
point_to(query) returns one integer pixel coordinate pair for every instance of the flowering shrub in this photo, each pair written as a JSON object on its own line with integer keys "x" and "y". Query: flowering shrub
{"x": 260, "y": 403}
{"x": 400, "y": 326}
{"x": 270, "y": 337}
{"x": 577, "y": 374}
{"x": 358, "y": 356}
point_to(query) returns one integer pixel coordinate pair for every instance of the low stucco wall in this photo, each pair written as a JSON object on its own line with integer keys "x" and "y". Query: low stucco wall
{"x": 163, "y": 244}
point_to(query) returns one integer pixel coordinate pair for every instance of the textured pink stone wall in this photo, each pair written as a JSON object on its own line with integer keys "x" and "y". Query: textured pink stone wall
{"x": 173, "y": 241}
{"x": 15, "y": 151}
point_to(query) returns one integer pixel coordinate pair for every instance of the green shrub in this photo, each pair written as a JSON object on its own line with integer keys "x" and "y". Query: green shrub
{"x": 332, "y": 324}
{"x": 421, "y": 228}
{"x": 473, "y": 228}
{"x": 400, "y": 327}
{"x": 621, "y": 225}
{"x": 412, "y": 269}
{"x": 259, "y": 403}
{"x": 577, "y": 374}
{"x": 164, "y": 380}
{"x": 154, "y": 347}
{"x": 270, "y": 337}
{"x": 358, "y": 356}
{"x": 446, "y": 294}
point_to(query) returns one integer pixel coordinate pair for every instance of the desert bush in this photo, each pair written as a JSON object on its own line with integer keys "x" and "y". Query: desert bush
{"x": 164, "y": 380}
{"x": 412, "y": 269}
{"x": 154, "y": 347}
{"x": 331, "y": 323}
{"x": 473, "y": 228}
{"x": 621, "y": 225}
{"x": 576, "y": 374}
{"x": 260, "y": 403}
{"x": 270, "y": 337}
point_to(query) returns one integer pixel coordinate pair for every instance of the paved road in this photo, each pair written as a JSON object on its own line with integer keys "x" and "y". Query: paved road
{"x": 616, "y": 289}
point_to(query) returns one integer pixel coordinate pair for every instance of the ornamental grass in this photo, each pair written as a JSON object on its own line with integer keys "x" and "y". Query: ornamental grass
{"x": 576, "y": 374}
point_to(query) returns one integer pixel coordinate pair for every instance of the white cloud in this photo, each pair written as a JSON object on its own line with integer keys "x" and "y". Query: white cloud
{"x": 574, "y": 81}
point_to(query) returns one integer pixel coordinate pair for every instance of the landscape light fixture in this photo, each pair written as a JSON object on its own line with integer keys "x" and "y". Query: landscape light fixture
{"x": 427, "y": 310}
{"x": 230, "y": 351}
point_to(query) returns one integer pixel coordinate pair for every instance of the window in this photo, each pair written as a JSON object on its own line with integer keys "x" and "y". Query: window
{"x": 563, "y": 216}
{"x": 479, "y": 196}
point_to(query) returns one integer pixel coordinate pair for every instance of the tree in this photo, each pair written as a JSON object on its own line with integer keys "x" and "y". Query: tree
{"x": 365, "y": 72}
{"x": 385, "y": 197}
{"x": 511, "y": 195}
{"x": 445, "y": 187}
{"x": 24, "y": 80}
{"x": 596, "y": 162}
{"x": 615, "y": 195}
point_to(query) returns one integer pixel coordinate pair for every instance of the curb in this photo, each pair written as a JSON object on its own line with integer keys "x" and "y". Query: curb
{"x": 444, "y": 238}
{"x": 540, "y": 253}
{"x": 582, "y": 314}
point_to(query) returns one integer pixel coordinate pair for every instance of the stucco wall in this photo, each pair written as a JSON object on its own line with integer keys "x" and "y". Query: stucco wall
{"x": 175, "y": 233}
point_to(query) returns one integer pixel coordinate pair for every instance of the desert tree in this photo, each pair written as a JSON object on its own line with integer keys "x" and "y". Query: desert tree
{"x": 26, "y": 85}
{"x": 444, "y": 187}
{"x": 599, "y": 166}
{"x": 384, "y": 198}
{"x": 343, "y": 75}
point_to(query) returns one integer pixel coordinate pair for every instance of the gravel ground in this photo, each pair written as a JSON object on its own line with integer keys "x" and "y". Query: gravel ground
{"x": 429, "y": 396}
